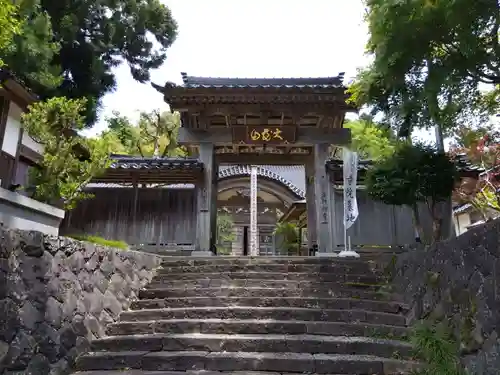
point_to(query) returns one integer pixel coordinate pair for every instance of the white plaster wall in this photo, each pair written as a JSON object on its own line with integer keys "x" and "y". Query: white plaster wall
{"x": 461, "y": 221}
{"x": 12, "y": 130}
{"x": 31, "y": 144}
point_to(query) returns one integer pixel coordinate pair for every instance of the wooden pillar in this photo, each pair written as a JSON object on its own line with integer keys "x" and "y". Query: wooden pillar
{"x": 213, "y": 208}
{"x": 322, "y": 201}
{"x": 205, "y": 207}
{"x": 254, "y": 242}
{"x": 337, "y": 235}
{"x": 310, "y": 206}
{"x": 135, "y": 234}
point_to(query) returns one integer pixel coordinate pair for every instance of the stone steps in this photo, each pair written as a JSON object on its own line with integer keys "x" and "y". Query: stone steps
{"x": 246, "y": 361}
{"x": 366, "y": 259}
{"x": 313, "y": 344}
{"x": 311, "y": 302}
{"x": 354, "y": 268}
{"x": 257, "y": 283}
{"x": 275, "y": 313}
{"x": 260, "y": 316}
{"x": 254, "y": 326}
{"x": 201, "y": 372}
{"x": 340, "y": 291}
{"x": 273, "y": 276}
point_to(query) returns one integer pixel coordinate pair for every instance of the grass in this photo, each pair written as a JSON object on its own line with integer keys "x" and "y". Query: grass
{"x": 100, "y": 241}
{"x": 434, "y": 345}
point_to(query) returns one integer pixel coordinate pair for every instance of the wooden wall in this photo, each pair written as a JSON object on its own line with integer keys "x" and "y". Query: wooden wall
{"x": 377, "y": 224}
{"x": 164, "y": 216}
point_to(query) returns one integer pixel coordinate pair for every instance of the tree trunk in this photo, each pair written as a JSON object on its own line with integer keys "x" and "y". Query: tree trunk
{"x": 437, "y": 222}
{"x": 418, "y": 224}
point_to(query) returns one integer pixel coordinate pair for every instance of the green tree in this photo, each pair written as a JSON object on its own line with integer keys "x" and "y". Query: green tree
{"x": 289, "y": 235}
{"x": 63, "y": 172}
{"x": 30, "y": 52}
{"x": 225, "y": 233}
{"x": 93, "y": 38}
{"x": 158, "y": 133}
{"x": 428, "y": 58}
{"x": 10, "y": 25}
{"x": 155, "y": 134}
{"x": 413, "y": 174}
{"x": 372, "y": 141}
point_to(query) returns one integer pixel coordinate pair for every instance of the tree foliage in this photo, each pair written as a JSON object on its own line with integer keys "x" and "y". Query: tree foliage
{"x": 225, "y": 233}
{"x": 289, "y": 234}
{"x": 155, "y": 135}
{"x": 10, "y": 24}
{"x": 413, "y": 174}
{"x": 428, "y": 58}
{"x": 63, "y": 172}
{"x": 483, "y": 150}
{"x": 87, "y": 39}
{"x": 371, "y": 140}
{"x": 31, "y": 52}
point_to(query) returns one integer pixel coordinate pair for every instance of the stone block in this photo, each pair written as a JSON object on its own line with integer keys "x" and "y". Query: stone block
{"x": 57, "y": 294}
{"x": 111, "y": 304}
{"x": 53, "y": 313}
{"x": 29, "y": 315}
{"x": 9, "y": 319}
{"x": 76, "y": 261}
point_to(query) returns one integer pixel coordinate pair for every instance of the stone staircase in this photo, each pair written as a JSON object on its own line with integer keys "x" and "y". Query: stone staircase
{"x": 258, "y": 315}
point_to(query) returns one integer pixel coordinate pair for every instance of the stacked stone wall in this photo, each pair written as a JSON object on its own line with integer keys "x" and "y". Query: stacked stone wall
{"x": 459, "y": 282}
{"x": 57, "y": 294}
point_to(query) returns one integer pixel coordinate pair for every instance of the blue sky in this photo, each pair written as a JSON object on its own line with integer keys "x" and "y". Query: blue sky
{"x": 257, "y": 38}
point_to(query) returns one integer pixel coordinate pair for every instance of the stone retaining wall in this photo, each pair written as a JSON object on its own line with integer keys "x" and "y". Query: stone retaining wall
{"x": 57, "y": 294}
{"x": 459, "y": 280}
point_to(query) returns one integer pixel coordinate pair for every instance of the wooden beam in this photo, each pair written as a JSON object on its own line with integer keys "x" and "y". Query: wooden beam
{"x": 285, "y": 159}
{"x": 308, "y": 136}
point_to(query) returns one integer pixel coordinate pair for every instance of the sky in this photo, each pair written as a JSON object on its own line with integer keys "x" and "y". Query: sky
{"x": 249, "y": 38}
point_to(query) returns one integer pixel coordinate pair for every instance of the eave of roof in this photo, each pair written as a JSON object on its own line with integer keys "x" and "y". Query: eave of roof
{"x": 128, "y": 169}
{"x": 209, "y": 90}
{"x": 219, "y": 82}
{"x": 15, "y": 86}
{"x": 133, "y": 163}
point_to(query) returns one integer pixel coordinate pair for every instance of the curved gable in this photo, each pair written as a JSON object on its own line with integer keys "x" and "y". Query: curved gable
{"x": 244, "y": 170}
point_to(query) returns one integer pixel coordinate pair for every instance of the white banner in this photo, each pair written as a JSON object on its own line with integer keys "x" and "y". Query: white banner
{"x": 350, "y": 181}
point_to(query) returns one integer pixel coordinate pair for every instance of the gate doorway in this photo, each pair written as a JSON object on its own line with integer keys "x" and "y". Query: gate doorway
{"x": 255, "y": 122}
{"x": 246, "y": 243}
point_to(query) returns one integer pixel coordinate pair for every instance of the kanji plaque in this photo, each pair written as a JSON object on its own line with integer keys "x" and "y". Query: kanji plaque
{"x": 263, "y": 134}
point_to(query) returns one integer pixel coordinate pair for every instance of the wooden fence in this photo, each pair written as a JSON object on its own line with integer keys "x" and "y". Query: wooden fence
{"x": 378, "y": 224}
{"x": 163, "y": 216}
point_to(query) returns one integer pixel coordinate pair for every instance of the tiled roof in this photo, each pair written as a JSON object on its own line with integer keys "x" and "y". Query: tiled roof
{"x": 464, "y": 164}
{"x": 107, "y": 185}
{"x": 134, "y": 162}
{"x": 292, "y": 177}
{"x": 7, "y": 74}
{"x": 462, "y": 208}
{"x": 218, "y": 82}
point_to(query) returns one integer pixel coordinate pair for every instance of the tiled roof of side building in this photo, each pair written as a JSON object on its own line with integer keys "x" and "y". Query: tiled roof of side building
{"x": 138, "y": 162}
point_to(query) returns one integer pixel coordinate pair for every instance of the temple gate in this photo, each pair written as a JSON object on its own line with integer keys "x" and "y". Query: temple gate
{"x": 262, "y": 121}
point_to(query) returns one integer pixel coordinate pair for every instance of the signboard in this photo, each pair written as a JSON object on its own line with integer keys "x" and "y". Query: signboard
{"x": 350, "y": 180}
{"x": 264, "y": 134}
